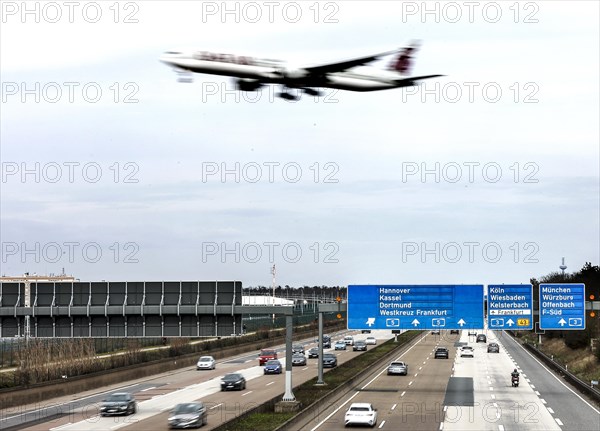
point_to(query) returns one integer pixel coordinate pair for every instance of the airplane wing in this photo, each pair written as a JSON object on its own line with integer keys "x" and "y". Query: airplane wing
{"x": 408, "y": 82}
{"x": 346, "y": 64}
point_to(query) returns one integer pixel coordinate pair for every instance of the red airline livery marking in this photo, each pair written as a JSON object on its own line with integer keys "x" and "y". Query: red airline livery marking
{"x": 223, "y": 58}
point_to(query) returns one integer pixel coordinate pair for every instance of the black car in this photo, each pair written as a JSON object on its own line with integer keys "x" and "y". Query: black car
{"x": 313, "y": 352}
{"x": 493, "y": 348}
{"x": 441, "y": 352}
{"x": 454, "y": 331}
{"x": 298, "y": 359}
{"x": 481, "y": 338}
{"x": 234, "y": 381}
{"x": 360, "y": 345}
{"x": 326, "y": 341}
{"x": 297, "y": 348}
{"x": 120, "y": 403}
{"x": 188, "y": 415}
{"x": 365, "y": 331}
{"x": 329, "y": 360}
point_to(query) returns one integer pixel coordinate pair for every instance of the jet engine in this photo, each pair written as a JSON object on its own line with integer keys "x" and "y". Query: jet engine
{"x": 246, "y": 84}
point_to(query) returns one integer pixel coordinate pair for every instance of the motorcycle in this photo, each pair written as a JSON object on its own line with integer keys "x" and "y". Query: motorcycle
{"x": 515, "y": 381}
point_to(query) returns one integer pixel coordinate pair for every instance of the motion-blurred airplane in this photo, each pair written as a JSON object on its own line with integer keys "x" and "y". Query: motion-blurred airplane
{"x": 253, "y": 73}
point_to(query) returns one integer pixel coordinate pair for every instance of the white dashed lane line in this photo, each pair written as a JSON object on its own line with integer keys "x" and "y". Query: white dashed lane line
{"x": 381, "y": 424}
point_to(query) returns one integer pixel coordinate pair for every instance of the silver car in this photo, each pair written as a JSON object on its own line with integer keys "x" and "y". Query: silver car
{"x": 298, "y": 359}
{"x": 397, "y": 367}
{"x": 188, "y": 415}
{"x": 206, "y": 363}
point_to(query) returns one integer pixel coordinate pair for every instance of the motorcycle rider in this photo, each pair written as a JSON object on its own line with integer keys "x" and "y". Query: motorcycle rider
{"x": 515, "y": 374}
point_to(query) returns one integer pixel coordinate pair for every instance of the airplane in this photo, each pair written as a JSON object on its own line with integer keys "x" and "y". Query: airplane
{"x": 253, "y": 73}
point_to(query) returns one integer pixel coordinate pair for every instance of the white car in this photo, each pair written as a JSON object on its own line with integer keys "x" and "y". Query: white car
{"x": 349, "y": 340}
{"x": 466, "y": 351}
{"x": 361, "y": 414}
{"x": 371, "y": 340}
{"x": 206, "y": 363}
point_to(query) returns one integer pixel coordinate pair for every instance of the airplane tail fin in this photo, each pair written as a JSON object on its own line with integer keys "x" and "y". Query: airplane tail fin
{"x": 403, "y": 62}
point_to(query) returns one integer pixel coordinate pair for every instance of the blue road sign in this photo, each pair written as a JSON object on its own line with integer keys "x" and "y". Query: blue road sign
{"x": 562, "y": 306}
{"x": 510, "y": 306}
{"x": 415, "y": 307}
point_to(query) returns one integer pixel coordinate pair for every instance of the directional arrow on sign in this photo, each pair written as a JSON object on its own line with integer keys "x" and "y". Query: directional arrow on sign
{"x": 461, "y": 322}
{"x": 562, "y": 322}
{"x": 415, "y": 322}
{"x": 510, "y": 322}
{"x": 370, "y": 321}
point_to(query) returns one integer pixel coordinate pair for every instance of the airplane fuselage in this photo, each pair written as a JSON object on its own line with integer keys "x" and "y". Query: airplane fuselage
{"x": 275, "y": 72}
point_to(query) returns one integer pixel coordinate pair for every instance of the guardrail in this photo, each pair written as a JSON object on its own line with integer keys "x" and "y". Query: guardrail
{"x": 582, "y": 386}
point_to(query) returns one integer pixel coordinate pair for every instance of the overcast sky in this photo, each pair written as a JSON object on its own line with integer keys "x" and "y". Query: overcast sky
{"x": 113, "y": 170}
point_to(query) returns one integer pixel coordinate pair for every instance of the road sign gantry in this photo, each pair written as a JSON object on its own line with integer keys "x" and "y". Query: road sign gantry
{"x": 415, "y": 307}
{"x": 510, "y": 306}
{"x": 562, "y": 306}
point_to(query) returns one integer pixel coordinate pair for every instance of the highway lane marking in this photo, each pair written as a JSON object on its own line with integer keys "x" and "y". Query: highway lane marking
{"x": 214, "y": 407}
{"x": 491, "y": 388}
{"x": 119, "y": 426}
{"x": 249, "y": 360}
{"x": 550, "y": 410}
{"x": 500, "y": 427}
{"x": 424, "y": 362}
{"x": 441, "y": 425}
{"x": 270, "y": 383}
{"x": 558, "y": 421}
{"x": 381, "y": 425}
{"x": 62, "y": 426}
{"x": 420, "y": 368}
{"x": 493, "y": 396}
{"x": 249, "y": 392}
{"x": 445, "y": 408}
{"x": 356, "y": 393}
{"x": 394, "y": 406}
{"x": 147, "y": 389}
{"x": 410, "y": 383}
{"x": 416, "y": 374}
{"x": 557, "y": 379}
{"x": 532, "y": 387}
{"x": 402, "y": 394}
{"x": 537, "y": 393}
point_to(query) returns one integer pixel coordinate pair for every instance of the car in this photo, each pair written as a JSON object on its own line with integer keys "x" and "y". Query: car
{"x": 466, "y": 351}
{"x": 435, "y": 332}
{"x": 371, "y": 340}
{"x": 441, "y": 352}
{"x": 365, "y": 331}
{"x": 297, "y": 348}
{"x": 493, "y": 348}
{"x": 340, "y": 345}
{"x": 119, "y": 403}
{"x": 359, "y": 345}
{"x": 361, "y": 414}
{"x": 266, "y": 355}
{"x": 234, "y": 381}
{"x": 273, "y": 367}
{"x": 187, "y": 415}
{"x": 313, "y": 352}
{"x": 326, "y": 341}
{"x": 481, "y": 338}
{"x": 299, "y": 359}
{"x": 329, "y": 360}
{"x": 349, "y": 340}
{"x": 206, "y": 363}
{"x": 472, "y": 332}
{"x": 397, "y": 367}
{"x": 454, "y": 331}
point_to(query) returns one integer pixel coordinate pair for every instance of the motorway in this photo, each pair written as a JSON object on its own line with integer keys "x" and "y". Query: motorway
{"x": 467, "y": 393}
{"x": 437, "y": 394}
{"x": 157, "y": 395}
